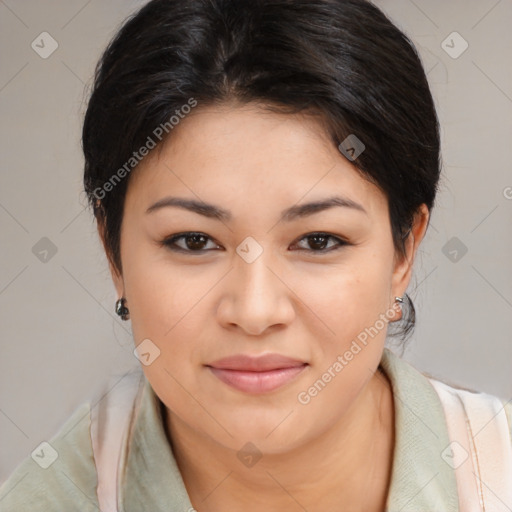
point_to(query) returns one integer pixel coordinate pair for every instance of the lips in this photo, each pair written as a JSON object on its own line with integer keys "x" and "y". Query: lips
{"x": 256, "y": 374}
{"x": 262, "y": 363}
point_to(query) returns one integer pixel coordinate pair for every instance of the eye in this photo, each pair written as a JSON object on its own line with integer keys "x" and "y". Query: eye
{"x": 189, "y": 242}
{"x": 194, "y": 242}
{"x": 319, "y": 242}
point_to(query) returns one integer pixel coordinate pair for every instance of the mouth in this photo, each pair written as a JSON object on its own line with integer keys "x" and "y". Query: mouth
{"x": 257, "y": 374}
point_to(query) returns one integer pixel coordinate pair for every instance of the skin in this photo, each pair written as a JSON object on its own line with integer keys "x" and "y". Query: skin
{"x": 197, "y": 307}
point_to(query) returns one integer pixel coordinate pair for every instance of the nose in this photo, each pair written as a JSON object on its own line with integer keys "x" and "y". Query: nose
{"x": 255, "y": 298}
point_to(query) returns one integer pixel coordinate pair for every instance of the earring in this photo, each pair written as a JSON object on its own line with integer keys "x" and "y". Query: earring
{"x": 400, "y": 301}
{"x": 121, "y": 309}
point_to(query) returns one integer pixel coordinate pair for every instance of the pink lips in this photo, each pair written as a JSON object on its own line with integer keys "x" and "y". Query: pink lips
{"x": 256, "y": 374}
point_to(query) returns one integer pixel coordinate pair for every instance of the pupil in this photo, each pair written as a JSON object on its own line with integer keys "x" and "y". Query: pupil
{"x": 319, "y": 241}
{"x": 197, "y": 241}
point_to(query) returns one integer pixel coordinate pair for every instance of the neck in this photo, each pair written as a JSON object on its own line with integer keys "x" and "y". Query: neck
{"x": 349, "y": 464}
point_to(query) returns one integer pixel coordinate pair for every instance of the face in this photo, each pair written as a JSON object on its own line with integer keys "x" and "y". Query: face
{"x": 257, "y": 272}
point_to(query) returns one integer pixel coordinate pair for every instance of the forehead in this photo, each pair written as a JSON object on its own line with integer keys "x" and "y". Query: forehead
{"x": 247, "y": 155}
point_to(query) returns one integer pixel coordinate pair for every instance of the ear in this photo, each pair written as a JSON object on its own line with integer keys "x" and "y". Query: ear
{"x": 403, "y": 266}
{"x": 117, "y": 278}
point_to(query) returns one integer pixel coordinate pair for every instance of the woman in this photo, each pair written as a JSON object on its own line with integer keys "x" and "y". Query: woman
{"x": 262, "y": 175}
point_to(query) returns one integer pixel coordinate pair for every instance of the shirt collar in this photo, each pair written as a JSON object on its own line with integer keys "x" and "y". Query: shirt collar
{"x": 420, "y": 479}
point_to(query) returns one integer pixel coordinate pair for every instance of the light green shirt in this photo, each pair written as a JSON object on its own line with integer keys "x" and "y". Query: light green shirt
{"x": 421, "y": 480}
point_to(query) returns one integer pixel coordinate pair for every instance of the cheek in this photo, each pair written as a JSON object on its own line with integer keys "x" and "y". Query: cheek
{"x": 353, "y": 306}
{"x": 170, "y": 308}
{"x": 161, "y": 295}
{"x": 345, "y": 300}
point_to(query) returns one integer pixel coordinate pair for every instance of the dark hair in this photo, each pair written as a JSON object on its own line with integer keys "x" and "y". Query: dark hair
{"x": 341, "y": 60}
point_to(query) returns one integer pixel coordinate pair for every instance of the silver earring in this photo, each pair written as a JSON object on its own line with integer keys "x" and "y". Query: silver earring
{"x": 121, "y": 309}
{"x": 400, "y": 301}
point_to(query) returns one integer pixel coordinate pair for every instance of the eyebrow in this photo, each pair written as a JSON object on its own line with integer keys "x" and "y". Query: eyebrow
{"x": 290, "y": 214}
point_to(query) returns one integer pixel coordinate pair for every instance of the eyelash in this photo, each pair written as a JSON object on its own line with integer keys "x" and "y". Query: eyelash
{"x": 170, "y": 242}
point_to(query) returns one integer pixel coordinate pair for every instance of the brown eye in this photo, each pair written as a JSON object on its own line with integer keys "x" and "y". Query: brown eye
{"x": 189, "y": 242}
{"x": 319, "y": 242}
{"x": 195, "y": 242}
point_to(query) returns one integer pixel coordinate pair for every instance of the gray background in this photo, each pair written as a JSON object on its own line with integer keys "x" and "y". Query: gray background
{"x": 61, "y": 340}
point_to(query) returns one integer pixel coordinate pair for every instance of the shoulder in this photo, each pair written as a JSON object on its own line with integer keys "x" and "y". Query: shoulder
{"x": 485, "y": 410}
{"x": 59, "y": 474}
{"x": 507, "y": 405}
